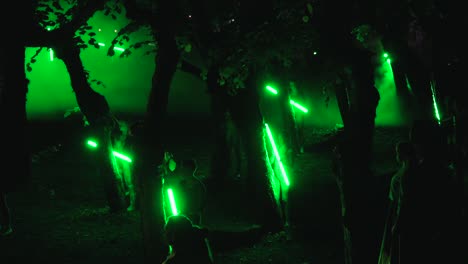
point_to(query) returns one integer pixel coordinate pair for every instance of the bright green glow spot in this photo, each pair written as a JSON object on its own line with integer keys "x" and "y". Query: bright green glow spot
{"x": 51, "y": 54}
{"x": 271, "y": 89}
{"x": 277, "y": 155}
{"x": 101, "y": 44}
{"x": 434, "y": 100}
{"x": 387, "y": 57}
{"x": 315, "y": 53}
{"x": 170, "y": 193}
{"x": 121, "y": 156}
{"x": 91, "y": 143}
{"x": 298, "y": 106}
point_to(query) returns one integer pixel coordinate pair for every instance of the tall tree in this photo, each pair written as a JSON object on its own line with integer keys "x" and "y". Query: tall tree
{"x": 64, "y": 35}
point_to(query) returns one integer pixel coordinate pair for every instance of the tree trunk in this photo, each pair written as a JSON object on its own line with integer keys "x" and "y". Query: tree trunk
{"x": 358, "y": 181}
{"x": 150, "y": 150}
{"x": 342, "y": 87}
{"x": 220, "y": 159}
{"x": 247, "y": 116}
{"x": 96, "y": 109}
{"x": 16, "y": 162}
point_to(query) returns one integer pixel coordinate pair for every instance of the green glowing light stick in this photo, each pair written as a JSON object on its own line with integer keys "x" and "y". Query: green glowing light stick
{"x": 292, "y": 102}
{"x": 115, "y": 48}
{"x": 170, "y": 194}
{"x": 271, "y": 89}
{"x": 277, "y": 155}
{"x": 434, "y": 101}
{"x": 51, "y": 54}
{"x": 116, "y": 154}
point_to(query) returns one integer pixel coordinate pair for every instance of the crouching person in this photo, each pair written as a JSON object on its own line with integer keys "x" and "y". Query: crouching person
{"x": 188, "y": 242}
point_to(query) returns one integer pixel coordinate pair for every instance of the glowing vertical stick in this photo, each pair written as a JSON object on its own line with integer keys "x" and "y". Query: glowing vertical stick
{"x": 170, "y": 193}
{"x": 277, "y": 155}
{"x": 434, "y": 101}
{"x": 51, "y": 54}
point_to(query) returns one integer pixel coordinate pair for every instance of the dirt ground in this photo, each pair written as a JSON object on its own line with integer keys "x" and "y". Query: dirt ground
{"x": 62, "y": 216}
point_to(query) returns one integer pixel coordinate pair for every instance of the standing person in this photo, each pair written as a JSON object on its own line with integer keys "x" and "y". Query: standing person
{"x": 428, "y": 222}
{"x": 407, "y": 159}
{"x": 193, "y": 191}
{"x": 189, "y": 243}
{"x": 348, "y": 36}
{"x": 5, "y": 219}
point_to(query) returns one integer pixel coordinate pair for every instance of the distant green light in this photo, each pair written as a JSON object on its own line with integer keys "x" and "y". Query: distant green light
{"x": 277, "y": 155}
{"x": 51, "y": 54}
{"x": 115, "y": 48}
{"x": 172, "y": 201}
{"x": 315, "y": 53}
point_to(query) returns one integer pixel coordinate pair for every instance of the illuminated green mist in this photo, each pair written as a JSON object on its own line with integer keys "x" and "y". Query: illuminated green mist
{"x": 127, "y": 80}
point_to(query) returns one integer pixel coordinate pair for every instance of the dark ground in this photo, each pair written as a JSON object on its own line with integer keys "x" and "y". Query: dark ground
{"x": 62, "y": 216}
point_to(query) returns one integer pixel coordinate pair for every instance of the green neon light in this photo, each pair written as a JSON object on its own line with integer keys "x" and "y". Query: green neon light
{"x": 298, "y": 106}
{"x": 271, "y": 89}
{"x": 434, "y": 101}
{"x": 121, "y": 156}
{"x": 277, "y": 155}
{"x": 91, "y": 143}
{"x": 292, "y": 102}
{"x": 115, "y": 48}
{"x": 51, "y": 54}
{"x": 116, "y": 154}
{"x": 170, "y": 193}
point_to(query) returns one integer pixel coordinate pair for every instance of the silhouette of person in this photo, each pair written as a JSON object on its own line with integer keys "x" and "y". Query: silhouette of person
{"x": 193, "y": 191}
{"x": 428, "y": 214}
{"x": 5, "y": 219}
{"x": 189, "y": 243}
{"x": 189, "y": 190}
{"x": 407, "y": 159}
